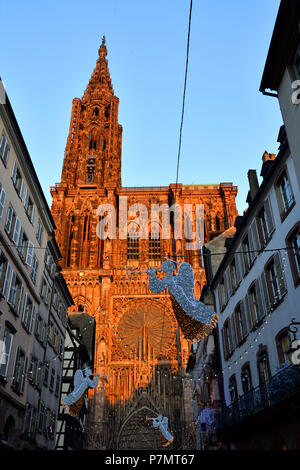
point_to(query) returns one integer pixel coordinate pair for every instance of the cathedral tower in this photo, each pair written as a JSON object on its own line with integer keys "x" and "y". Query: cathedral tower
{"x": 140, "y": 352}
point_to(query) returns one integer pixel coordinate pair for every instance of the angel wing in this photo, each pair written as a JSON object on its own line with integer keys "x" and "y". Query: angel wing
{"x": 185, "y": 280}
{"x": 78, "y": 378}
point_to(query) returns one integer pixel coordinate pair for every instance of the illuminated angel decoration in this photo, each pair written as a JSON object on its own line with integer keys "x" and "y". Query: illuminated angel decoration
{"x": 194, "y": 317}
{"x": 74, "y": 401}
{"x": 161, "y": 422}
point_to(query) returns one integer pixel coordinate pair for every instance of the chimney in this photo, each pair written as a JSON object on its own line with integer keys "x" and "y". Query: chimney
{"x": 267, "y": 160}
{"x": 253, "y": 183}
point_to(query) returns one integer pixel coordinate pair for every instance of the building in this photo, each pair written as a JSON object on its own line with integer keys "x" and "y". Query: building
{"x": 138, "y": 343}
{"x": 257, "y": 295}
{"x": 72, "y": 432}
{"x": 206, "y": 365}
{"x": 34, "y": 297}
{"x": 282, "y": 73}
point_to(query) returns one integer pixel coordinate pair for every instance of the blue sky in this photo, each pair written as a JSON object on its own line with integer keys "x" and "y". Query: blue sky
{"x": 49, "y": 50}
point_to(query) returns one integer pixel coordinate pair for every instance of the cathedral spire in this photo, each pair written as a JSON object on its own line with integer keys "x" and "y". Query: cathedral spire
{"x": 100, "y": 81}
{"x": 93, "y": 150}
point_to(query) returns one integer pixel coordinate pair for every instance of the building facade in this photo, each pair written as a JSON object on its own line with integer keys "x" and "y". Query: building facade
{"x": 257, "y": 295}
{"x": 139, "y": 346}
{"x": 28, "y": 408}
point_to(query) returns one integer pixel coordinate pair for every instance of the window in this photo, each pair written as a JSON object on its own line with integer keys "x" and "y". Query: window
{"x": 19, "y": 372}
{"x": 46, "y": 374}
{"x": 246, "y": 253}
{"x": 28, "y": 314}
{"x": 39, "y": 233}
{"x": 133, "y": 245}
{"x": 4, "y": 149}
{"x": 5, "y": 273}
{"x": 18, "y": 181}
{"x": 29, "y": 208}
{"x": 284, "y": 194}
{"x": 283, "y": 343}
{"x": 266, "y": 224}
{"x": 15, "y": 295}
{"x": 240, "y": 322}
{"x": 275, "y": 279}
{"x": 8, "y": 341}
{"x": 233, "y": 389}
{"x": 33, "y": 370}
{"x": 246, "y": 379}
{"x": 93, "y": 137}
{"x": 154, "y": 247}
{"x": 9, "y": 220}
{"x": 35, "y": 265}
{"x": 2, "y": 201}
{"x": 52, "y": 379}
{"x": 41, "y": 421}
{"x": 233, "y": 274}
{"x": 293, "y": 243}
{"x": 263, "y": 367}
{"x": 227, "y": 340}
{"x": 57, "y": 385}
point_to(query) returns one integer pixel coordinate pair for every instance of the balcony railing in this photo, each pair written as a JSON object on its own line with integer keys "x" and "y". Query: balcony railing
{"x": 279, "y": 387}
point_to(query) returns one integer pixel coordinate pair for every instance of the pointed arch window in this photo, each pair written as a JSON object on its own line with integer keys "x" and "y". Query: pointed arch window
{"x": 133, "y": 245}
{"x": 154, "y": 245}
{"x": 93, "y": 139}
{"x": 96, "y": 112}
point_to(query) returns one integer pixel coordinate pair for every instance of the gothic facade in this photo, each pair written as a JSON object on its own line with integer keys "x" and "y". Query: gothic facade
{"x": 140, "y": 352}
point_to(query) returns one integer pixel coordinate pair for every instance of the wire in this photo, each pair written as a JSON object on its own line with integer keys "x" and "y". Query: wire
{"x": 183, "y": 98}
{"x": 6, "y": 245}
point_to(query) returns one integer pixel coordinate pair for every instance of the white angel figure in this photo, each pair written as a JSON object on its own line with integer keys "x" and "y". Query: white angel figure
{"x": 74, "y": 401}
{"x": 181, "y": 288}
{"x": 161, "y": 422}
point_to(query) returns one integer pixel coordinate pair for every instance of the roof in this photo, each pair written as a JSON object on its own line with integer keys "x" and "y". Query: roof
{"x": 7, "y": 108}
{"x": 283, "y": 44}
{"x": 251, "y": 209}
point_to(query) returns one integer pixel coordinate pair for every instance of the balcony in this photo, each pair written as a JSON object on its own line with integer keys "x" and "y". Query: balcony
{"x": 281, "y": 386}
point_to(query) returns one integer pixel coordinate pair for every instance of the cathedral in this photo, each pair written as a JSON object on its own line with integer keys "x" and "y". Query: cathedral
{"x": 140, "y": 351}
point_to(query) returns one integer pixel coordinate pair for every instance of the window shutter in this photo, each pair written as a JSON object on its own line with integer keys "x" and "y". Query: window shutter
{"x": 241, "y": 261}
{"x": 14, "y": 172}
{"x": 225, "y": 344}
{"x": 2, "y": 201}
{"x": 32, "y": 318}
{"x": 220, "y": 295}
{"x": 227, "y": 284}
{"x": 238, "y": 327}
{"x": 247, "y": 313}
{"x": 24, "y": 374}
{"x": 26, "y": 199}
{"x": 12, "y": 288}
{"x": 269, "y": 216}
{"x": 265, "y": 293}
{"x": 22, "y": 190}
{"x": 6, "y": 280}
{"x": 8, "y": 339}
{"x": 237, "y": 268}
{"x": 17, "y": 230}
{"x": 260, "y": 297}
{"x": 25, "y": 310}
{"x": 20, "y": 300}
{"x": 9, "y": 219}
{"x": 280, "y": 274}
{"x": 6, "y": 152}
{"x": 254, "y": 239}
{"x": 33, "y": 215}
{"x": 233, "y": 331}
{"x": 29, "y": 254}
